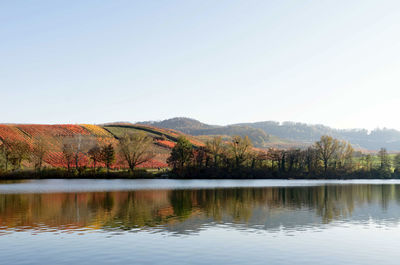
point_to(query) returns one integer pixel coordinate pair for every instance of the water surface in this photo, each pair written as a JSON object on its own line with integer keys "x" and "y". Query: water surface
{"x": 199, "y": 222}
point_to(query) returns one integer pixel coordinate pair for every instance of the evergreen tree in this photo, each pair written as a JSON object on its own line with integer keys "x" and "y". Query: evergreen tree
{"x": 181, "y": 155}
{"x": 385, "y": 167}
{"x": 108, "y": 156}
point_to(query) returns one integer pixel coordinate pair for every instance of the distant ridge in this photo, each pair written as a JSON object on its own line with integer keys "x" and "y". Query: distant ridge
{"x": 194, "y": 127}
{"x": 272, "y": 133}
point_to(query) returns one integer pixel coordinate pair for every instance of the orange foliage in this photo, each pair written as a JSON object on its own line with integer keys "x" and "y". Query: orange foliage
{"x": 165, "y": 143}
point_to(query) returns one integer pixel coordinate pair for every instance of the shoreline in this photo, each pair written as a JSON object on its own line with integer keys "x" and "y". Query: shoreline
{"x": 132, "y": 177}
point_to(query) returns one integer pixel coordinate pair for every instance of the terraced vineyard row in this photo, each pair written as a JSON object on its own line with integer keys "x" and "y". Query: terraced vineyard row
{"x": 55, "y": 135}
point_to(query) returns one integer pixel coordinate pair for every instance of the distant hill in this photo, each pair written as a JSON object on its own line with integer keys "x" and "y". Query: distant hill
{"x": 308, "y": 133}
{"x": 287, "y": 134}
{"x": 193, "y": 127}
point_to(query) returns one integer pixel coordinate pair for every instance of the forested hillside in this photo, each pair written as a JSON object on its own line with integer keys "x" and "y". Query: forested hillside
{"x": 289, "y": 134}
{"x": 259, "y": 137}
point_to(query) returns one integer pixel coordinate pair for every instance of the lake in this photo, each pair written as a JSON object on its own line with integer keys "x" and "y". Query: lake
{"x": 199, "y": 222}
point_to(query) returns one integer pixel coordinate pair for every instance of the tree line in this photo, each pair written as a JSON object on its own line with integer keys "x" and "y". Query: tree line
{"x": 326, "y": 158}
{"x": 218, "y": 158}
{"x": 79, "y": 153}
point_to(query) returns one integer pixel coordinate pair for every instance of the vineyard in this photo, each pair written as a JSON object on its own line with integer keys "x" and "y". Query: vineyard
{"x": 55, "y": 135}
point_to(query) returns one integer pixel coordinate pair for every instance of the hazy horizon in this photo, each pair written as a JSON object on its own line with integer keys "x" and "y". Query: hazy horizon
{"x": 332, "y": 63}
{"x": 226, "y": 124}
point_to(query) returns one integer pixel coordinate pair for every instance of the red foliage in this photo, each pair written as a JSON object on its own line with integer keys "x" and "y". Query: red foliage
{"x": 153, "y": 164}
{"x": 54, "y": 136}
{"x": 9, "y": 132}
{"x": 166, "y": 143}
{"x": 53, "y": 130}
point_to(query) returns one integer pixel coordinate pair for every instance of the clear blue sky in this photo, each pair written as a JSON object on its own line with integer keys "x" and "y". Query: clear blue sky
{"x": 330, "y": 62}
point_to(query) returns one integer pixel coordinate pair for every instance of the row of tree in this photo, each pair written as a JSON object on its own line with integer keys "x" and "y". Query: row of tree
{"x": 327, "y": 157}
{"x": 78, "y": 152}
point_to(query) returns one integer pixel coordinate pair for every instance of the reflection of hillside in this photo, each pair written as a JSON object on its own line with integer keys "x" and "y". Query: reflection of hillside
{"x": 185, "y": 211}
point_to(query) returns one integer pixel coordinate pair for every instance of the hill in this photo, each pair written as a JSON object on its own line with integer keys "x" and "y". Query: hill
{"x": 287, "y": 134}
{"x": 259, "y": 137}
{"x": 54, "y": 135}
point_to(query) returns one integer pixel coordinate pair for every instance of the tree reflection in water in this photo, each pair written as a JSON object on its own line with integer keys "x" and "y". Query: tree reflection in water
{"x": 185, "y": 211}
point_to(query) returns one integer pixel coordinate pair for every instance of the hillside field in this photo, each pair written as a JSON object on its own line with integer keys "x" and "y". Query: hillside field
{"x": 55, "y": 135}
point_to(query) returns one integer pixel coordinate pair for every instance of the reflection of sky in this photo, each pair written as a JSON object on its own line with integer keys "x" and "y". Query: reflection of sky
{"x": 286, "y": 224}
{"x": 335, "y": 244}
{"x": 81, "y": 185}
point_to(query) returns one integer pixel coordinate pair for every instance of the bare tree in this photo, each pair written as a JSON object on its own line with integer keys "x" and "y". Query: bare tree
{"x": 310, "y": 159}
{"x": 135, "y": 149}
{"x": 276, "y": 156}
{"x": 39, "y": 151}
{"x": 258, "y": 158}
{"x": 68, "y": 154}
{"x": 79, "y": 145}
{"x": 326, "y": 148}
{"x": 20, "y": 151}
{"x": 240, "y": 148}
{"x": 216, "y": 148}
{"x": 95, "y": 155}
{"x": 6, "y": 152}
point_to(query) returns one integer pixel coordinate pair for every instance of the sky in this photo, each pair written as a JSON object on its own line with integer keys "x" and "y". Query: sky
{"x": 321, "y": 62}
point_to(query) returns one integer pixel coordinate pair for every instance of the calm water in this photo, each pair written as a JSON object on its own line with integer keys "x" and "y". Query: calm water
{"x": 199, "y": 222}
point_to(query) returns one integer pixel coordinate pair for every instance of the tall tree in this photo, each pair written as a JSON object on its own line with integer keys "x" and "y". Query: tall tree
{"x": 326, "y": 148}
{"x": 240, "y": 148}
{"x": 293, "y": 156}
{"x": 181, "y": 154}
{"x": 344, "y": 156}
{"x": 6, "y": 152}
{"x": 216, "y": 148}
{"x": 136, "y": 149}
{"x": 385, "y": 163}
{"x": 20, "y": 151}
{"x": 68, "y": 154}
{"x": 311, "y": 159}
{"x": 95, "y": 155}
{"x": 396, "y": 163}
{"x": 108, "y": 156}
{"x": 39, "y": 151}
{"x": 79, "y": 145}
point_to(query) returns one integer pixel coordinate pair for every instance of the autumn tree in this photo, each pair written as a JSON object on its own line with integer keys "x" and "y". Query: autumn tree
{"x": 39, "y": 151}
{"x": 258, "y": 158}
{"x": 6, "y": 152}
{"x": 200, "y": 157}
{"x": 385, "y": 163}
{"x": 20, "y": 151}
{"x": 293, "y": 157}
{"x": 396, "y": 163}
{"x": 310, "y": 159}
{"x": 108, "y": 156}
{"x": 79, "y": 145}
{"x": 343, "y": 157}
{"x": 95, "y": 155}
{"x": 68, "y": 154}
{"x": 368, "y": 162}
{"x": 136, "y": 149}
{"x": 181, "y": 154}
{"x": 276, "y": 156}
{"x": 240, "y": 148}
{"x": 216, "y": 148}
{"x": 326, "y": 148}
